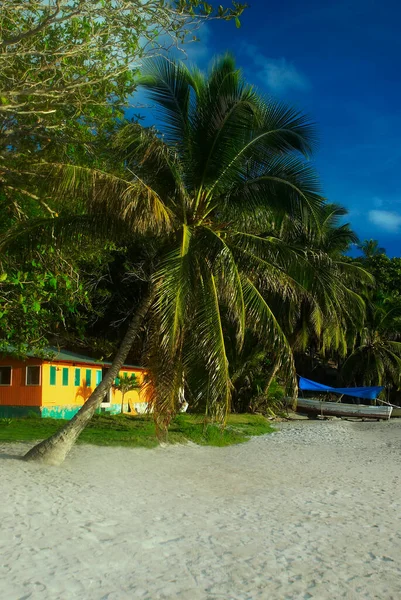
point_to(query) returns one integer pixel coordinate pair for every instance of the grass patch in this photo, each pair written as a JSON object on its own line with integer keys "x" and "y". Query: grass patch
{"x": 139, "y": 431}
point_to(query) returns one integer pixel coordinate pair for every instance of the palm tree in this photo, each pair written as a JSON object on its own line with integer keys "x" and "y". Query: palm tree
{"x": 371, "y": 248}
{"x": 333, "y": 236}
{"x": 125, "y": 384}
{"x": 376, "y": 357}
{"x": 334, "y": 307}
{"x": 205, "y": 187}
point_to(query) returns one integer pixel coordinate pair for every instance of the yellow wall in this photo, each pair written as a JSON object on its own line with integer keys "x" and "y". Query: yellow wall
{"x": 62, "y": 395}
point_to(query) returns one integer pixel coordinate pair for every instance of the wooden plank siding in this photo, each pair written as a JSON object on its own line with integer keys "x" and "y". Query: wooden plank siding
{"x": 18, "y": 393}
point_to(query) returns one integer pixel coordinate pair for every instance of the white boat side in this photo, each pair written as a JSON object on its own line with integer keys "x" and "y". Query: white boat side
{"x": 340, "y": 409}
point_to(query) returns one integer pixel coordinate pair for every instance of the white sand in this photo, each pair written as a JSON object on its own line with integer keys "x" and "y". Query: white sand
{"x": 313, "y": 512}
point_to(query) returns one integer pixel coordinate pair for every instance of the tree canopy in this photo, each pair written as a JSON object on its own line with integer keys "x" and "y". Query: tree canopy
{"x": 206, "y": 238}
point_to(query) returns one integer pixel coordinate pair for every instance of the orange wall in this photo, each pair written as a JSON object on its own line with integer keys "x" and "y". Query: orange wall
{"x": 20, "y": 394}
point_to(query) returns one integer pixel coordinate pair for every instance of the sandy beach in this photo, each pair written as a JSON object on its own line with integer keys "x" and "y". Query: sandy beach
{"x": 310, "y": 512}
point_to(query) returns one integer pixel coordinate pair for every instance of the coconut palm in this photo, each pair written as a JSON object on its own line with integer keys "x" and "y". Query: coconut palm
{"x": 333, "y": 307}
{"x": 370, "y": 248}
{"x": 376, "y": 357}
{"x": 333, "y": 236}
{"x": 205, "y": 187}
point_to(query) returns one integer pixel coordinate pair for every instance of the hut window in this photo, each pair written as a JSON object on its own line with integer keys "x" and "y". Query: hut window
{"x": 33, "y": 375}
{"x": 65, "y": 375}
{"x": 53, "y": 372}
{"x": 77, "y": 377}
{"x": 98, "y": 377}
{"x": 5, "y": 375}
{"x": 88, "y": 379}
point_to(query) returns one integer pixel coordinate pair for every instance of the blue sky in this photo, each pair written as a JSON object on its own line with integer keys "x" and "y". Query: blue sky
{"x": 340, "y": 63}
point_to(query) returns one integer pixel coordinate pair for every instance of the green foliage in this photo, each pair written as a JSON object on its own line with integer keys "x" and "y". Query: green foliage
{"x": 217, "y": 213}
{"x": 376, "y": 358}
{"x": 387, "y": 275}
{"x": 65, "y": 60}
{"x": 38, "y": 298}
{"x": 371, "y": 249}
{"x": 67, "y": 75}
{"x": 374, "y": 354}
{"x": 240, "y": 238}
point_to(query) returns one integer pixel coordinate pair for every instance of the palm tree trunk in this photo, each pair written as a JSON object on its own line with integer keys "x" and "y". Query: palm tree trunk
{"x": 122, "y": 402}
{"x": 272, "y": 375}
{"x": 55, "y": 449}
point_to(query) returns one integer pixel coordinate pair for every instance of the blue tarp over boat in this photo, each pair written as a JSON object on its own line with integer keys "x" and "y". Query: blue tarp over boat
{"x": 358, "y": 392}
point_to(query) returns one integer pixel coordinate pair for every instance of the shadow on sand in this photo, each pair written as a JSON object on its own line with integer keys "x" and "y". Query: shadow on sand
{"x": 7, "y": 456}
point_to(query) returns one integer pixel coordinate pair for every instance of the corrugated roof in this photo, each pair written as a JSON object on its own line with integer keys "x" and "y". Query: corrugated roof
{"x": 53, "y": 354}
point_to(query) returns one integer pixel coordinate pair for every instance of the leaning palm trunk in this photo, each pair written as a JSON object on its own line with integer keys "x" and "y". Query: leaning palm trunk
{"x": 272, "y": 375}
{"x": 55, "y": 449}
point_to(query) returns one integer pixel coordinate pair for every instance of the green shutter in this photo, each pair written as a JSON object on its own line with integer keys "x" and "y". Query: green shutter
{"x": 125, "y": 374}
{"x": 88, "y": 378}
{"x": 77, "y": 377}
{"x": 52, "y": 375}
{"x": 98, "y": 377}
{"x": 65, "y": 375}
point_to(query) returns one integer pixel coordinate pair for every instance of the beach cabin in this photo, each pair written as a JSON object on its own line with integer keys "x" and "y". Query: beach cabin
{"x": 58, "y": 386}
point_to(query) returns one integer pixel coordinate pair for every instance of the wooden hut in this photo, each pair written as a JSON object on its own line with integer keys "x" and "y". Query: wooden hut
{"x": 57, "y": 387}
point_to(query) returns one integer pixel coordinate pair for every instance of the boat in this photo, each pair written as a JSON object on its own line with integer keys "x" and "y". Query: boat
{"x": 316, "y": 406}
{"x": 341, "y": 409}
{"x": 396, "y": 411}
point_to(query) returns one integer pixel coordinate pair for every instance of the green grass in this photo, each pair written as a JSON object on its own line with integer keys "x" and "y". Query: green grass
{"x": 139, "y": 431}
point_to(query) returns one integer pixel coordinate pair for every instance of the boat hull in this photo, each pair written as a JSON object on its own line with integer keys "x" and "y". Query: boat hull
{"x": 338, "y": 409}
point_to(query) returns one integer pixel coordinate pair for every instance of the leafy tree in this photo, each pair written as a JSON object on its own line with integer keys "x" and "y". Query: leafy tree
{"x": 79, "y": 55}
{"x": 40, "y": 295}
{"x": 205, "y": 190}
{"x": 387, "y": 274}
{"x": 125, "y": 384}
{"x": 67, "y": 73}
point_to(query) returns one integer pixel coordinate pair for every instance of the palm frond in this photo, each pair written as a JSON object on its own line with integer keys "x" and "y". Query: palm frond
{"x": 169, "y": 83}
{"x": 209, "y": 345}
{"x": 225, "y": 269}
{"x": 263, "y": 322}
{"x": 92, "y": 191}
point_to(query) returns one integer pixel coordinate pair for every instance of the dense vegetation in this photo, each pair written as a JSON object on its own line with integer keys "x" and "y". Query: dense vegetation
{"x": 202, "y": 246}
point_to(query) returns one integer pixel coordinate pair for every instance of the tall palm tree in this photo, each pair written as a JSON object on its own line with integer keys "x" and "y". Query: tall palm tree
{"x": 333, "y": 236}
{"x": 205, "y": 186}
{"x": 376, "y": 357}
{"x": 333, "y": 307}
{"x": 371, "y": 248}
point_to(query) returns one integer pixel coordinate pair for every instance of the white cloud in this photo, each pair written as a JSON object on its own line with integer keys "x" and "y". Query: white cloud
{"x": 387, "y": 220}
{"x": 278, "y": 74}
